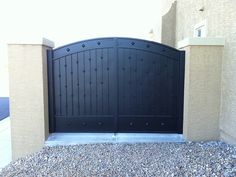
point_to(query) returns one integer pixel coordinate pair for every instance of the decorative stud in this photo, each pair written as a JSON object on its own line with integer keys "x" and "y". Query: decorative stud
{"x": 100, "y": 123}
{"x": 71, "y": 72}
{"x": 133, "y": 43}
{"x": 101, "y": 57}
{"x": 95, "y": 69}
{"x": 77, "y": 62}
{"x": 83, "y": 45}
{"x": 65, "y": 86}
{"x": 131, "y": 124}
{"x": 83, "y": 71}
{"x": 147, "y": 123}
{"x": 148, "y": 46}
{"x": 65, "y": 65}
{"x": 84, "y": 123}
{"x": 162, "y": 124}
{"x": 101, "y": 82}
{"x": 89, "y": 59}
{"x": 107, "y": 69}
{"x": 129, "y": 57}
{"x": 67, "y": 49}
{"x": 163, "y": 50}
{"x": 98, "y": 43}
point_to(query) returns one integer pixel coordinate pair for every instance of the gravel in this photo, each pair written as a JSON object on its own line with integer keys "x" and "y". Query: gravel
{"x": 150, "y": 159}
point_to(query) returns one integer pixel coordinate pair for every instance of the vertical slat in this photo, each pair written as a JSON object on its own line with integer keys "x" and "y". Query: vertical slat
{"x": 115, "y": 84}
{"x": 181, "y": 90}
{"x": 136, "y": 82}
{"x": 105, "y": 82}
{"x": 140, "y": 80}
{"x": 108, "y": 82}
{"x": 63, "y": 86}
{"x": 132, "y": 82}
{"x": 74, "y": 84}
{"x": 100, "y": 81}
{"x": 162, "y": 87}
{"x": 81, "y": 82}
{"x": 87, "y": 75}
{"x": 96, "y": 72}
{"x": 78, "y": 82}
{"x": 50, "y": 91}
{"x": 56, "y": 78}
{"x": 120, "y": 77}
{"x": 69, "y": 84}
{"x": 93, "y": 82}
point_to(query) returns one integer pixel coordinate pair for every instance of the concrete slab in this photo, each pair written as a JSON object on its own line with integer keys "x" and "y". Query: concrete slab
{"x": 5, "y": 142}
{"x": 87, "y": 138}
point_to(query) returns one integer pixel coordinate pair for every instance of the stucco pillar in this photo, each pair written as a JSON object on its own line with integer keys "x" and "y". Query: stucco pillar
{"x": 202, "y": 94}
{"x": 28, "y": 95}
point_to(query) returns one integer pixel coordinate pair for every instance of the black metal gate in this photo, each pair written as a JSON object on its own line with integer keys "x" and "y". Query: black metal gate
{"x": 116, "y": 85}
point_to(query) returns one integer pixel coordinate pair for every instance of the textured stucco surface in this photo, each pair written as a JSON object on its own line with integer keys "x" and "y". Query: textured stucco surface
{"x": 220, "y": 16}
{"x": 28, "y": 93}
{"x": 168, "y": 26}
{"x": 202, "y": 92}
{"x": 221, "y": 22}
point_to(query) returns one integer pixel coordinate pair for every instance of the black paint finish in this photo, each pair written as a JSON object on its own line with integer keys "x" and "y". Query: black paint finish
{"x": 116, "y": 85}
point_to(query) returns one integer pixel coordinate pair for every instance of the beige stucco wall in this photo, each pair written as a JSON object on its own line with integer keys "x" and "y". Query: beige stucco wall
{"x": 220, "y": 16}
{"x": 168, "y": 23}
{"x": 202, "y": 92}
{"x": 28, "y": 97}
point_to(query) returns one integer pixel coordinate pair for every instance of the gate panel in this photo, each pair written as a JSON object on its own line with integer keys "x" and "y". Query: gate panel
{"x": 116, "y": 85}
{"x": 84, "y": 91}
{"x": 147, "y": 91}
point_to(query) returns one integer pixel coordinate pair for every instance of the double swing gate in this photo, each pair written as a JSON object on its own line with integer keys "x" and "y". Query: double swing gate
{"x": 116, "y": 85}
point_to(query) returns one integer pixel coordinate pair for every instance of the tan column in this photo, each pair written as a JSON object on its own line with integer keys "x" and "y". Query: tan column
{"x": 202, "y": 94}
{"x": 28, "y": 95}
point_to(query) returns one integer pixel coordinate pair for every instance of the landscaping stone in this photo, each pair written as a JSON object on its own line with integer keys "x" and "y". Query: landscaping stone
{"x": 141, "y": 159}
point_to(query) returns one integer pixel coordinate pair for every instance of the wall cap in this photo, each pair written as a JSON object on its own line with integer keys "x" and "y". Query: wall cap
{"x": 201, "y": 41}
{"x": 33, "y": 41}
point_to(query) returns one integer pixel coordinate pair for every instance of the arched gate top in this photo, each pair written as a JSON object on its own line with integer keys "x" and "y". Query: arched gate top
{"x": 115, "y": 42}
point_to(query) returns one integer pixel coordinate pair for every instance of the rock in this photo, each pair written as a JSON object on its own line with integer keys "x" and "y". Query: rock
{"x": 142, "y": 159}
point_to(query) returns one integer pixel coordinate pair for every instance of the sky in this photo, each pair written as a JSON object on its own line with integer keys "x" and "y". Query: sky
{"x": 67, "y": 21}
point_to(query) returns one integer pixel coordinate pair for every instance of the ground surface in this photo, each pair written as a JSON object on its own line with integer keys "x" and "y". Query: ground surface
{"x": 4, "y": 107}
{"x": 159, "y": 159}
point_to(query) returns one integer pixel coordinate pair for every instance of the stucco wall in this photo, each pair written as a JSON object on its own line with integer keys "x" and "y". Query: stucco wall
{"x": 168, "y": 25}
{"x": 221, "y": 22}
{"x": 28, "y": 97}
{"x": 202, "y": 92}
